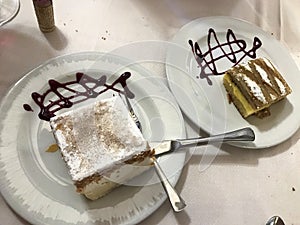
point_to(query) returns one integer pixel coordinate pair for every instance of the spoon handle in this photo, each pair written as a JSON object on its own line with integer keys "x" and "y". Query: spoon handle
{"x": 176, "y": 201}
{"x": 244, "y": 134}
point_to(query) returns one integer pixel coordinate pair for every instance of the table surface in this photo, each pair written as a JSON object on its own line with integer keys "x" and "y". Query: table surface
{"x": 239, "y": 186}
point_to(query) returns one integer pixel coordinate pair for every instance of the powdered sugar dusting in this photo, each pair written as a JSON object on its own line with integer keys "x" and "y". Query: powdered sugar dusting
{"x": 281, "y": 86}
{"x": 96, "y": 137}
{"x": 255, "y": 89}
{"x": 263, "y": 74}
{"x": 269, "y": 64}
{"x": 247, "y": 66}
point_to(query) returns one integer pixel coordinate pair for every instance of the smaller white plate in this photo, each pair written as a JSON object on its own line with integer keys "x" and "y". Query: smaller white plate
{"x": 207, "y": 105}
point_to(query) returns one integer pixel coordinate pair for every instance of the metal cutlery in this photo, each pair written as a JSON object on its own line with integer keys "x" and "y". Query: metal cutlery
{"x": 178, "y": 204}
{"x": 131, "y": 111}
{"x": 176, "y": 201}
{"x": 244, "y": 134}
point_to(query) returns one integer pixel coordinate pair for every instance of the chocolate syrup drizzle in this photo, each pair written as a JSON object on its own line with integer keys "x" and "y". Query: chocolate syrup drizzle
{"x": 235, "y": 46}
{"x": 90, "y": 85}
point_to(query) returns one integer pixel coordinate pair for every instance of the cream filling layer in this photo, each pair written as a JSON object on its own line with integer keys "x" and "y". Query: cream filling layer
{"x": 236, "y": 93}
{"x": 115, "y": 178}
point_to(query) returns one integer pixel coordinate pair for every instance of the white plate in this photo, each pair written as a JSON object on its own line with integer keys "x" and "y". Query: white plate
{"x": 207, "y": 105}
{"x": 36, "y": 183}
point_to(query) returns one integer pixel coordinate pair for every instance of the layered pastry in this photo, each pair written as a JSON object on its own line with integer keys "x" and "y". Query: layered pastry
{"x": 254, "y": 86}
{"x": 101, "y": 146}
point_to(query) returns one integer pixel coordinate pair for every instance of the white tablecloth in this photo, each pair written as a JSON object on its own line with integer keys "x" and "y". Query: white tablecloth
{"x": 240, "y": 186}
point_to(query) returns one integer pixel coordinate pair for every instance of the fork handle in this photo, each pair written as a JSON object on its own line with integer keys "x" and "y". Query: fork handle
{"x": 176, "y": 201}
{"x": 244, "y": 134}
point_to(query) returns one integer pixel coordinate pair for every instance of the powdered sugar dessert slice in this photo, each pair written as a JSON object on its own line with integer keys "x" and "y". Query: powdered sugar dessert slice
{"x": 254, "y": 86}
{"x": 101, "y": 146}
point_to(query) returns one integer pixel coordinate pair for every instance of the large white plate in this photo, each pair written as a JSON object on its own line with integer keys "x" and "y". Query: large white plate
{"x": 207, "y": 105}
{"x": 36, "y": 183}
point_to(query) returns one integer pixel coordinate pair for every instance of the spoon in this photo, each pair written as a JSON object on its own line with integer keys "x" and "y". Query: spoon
{"x": 275, "y": 220}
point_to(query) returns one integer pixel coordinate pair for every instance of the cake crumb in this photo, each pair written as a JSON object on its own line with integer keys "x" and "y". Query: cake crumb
{"x": 52, "y": 148}
{"x": 229, "y": 98}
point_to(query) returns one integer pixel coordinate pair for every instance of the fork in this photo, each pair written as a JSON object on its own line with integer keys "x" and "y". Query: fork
{"x": 175, "y": 199}
{"x": 131, "y": 111}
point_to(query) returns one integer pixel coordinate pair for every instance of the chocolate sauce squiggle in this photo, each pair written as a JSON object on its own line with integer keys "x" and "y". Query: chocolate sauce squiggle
{"x": 230, "y": 49}
{"x": 49, "y": 108}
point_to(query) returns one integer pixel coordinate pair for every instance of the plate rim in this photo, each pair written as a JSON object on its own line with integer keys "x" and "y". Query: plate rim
{"x": 17, "y": 207}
